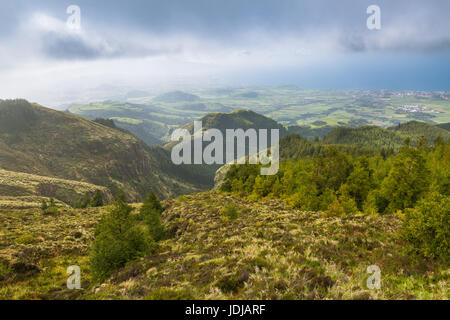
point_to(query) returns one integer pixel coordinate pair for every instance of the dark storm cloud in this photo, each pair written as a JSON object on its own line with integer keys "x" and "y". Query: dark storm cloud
{"x": 62, "y": 46}
{"x": 406, "y": 25}
{"x": 67, "y": 46}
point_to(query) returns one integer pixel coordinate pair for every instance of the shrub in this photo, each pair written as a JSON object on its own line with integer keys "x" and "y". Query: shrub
{"x": 230, "y": 211}
{"x": 44, "y": 205}
{"x": 150, "y": 213}
{"x": 49, "y": 208}
{"x": 232, "y": 283}
{"x": 118, "y": 240}
{"x": 84, "y": 202}
{"x": 25, "y": 238}
{"x": 335, "y": 209}
{"x": 5, "y": 269}
{"x": 50, "y": 211}
{"x": 97, "y": 199}
{"x": 427, "y": 226}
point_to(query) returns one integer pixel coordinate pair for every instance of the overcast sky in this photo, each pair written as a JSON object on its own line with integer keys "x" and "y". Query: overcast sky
{"x": 148, "y": 44}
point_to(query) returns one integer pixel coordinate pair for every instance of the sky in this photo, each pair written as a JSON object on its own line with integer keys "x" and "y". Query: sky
{"x": 155, "y": 45}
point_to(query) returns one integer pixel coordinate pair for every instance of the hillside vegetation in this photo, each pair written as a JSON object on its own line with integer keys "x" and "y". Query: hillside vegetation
{"x": 23, "y": 190}
{"x": 222, "y": 247}
{"x": 359, "y": 197}
{"x": 37, "y": 140}
{"x": 393, "y": 137}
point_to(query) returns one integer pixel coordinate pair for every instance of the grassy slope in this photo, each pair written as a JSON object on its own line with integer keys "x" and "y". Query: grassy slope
{"x": 268, "y": 252}
{"x": 19, "y": 190}
{"x": 37, "y": 140}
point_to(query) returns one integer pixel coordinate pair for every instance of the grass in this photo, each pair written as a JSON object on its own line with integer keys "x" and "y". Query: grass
{"x": 266, "y": 251}
{"x": 22, "y": 190}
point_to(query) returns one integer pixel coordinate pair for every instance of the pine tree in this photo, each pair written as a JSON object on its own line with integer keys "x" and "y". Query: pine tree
{"x": 97, "y": 200}
{"x": 150, "y": 212}
{"x": 118, "y": 240}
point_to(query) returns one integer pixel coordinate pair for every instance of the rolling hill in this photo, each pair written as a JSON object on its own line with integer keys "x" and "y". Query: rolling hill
{"x": 445, "y": 126}
{"x": 415, "y": 129}
{"x": 176, "y": 96}
{"x": 38, "y": 140}
{"x": 238, "y": 119}
{"x": 393, "y": 137}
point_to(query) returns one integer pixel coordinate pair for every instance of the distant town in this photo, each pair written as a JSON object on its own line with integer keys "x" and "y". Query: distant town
{"x": 416, "y": 108}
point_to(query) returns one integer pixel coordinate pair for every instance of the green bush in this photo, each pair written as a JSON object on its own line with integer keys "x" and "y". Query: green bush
{"x": 231, "y": 211}
{"x": 44, "y": 205}
{"x": 5, "y": 269}
{"x": 118, "y": 240}
{"x": 232, "y": 283}
{"x": 51, "y": 211}
{"x": 150, "y": 213}
{"x": 97, "y": 199}
{"x": 427, "y": 226}
{"x": 84, "y": 202}
{"x": 25, "y": 238}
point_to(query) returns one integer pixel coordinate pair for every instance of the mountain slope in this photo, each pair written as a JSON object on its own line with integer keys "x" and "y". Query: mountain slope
{"x": 370, "y": 136}
{"x": 415, "y": 129}
{"x": 445, "y": 126}
{"x": 23, "y": 190}
{"x": 265, "y": 251}
{"x": 393, "y": 137}
{"x": 238, "y": 119}
{"x": 38, "y": 140}
{"x": 241, "y": 118}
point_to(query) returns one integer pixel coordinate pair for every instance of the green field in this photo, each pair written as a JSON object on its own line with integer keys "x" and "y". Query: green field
{"x": 290, "y": 106}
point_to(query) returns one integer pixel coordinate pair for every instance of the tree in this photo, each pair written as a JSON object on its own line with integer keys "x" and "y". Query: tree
{"x": 407, "y": 181}
{"x": 427, "y": 226}
{"x": 49, "y": 208}
{"x": 84, "y": 202}
{"x": 258, "y": 187}
{"x": 332, "y": 170}
{"x": 150, "y": 212}
{"x": 360, "y": 182}
{"x": 118, "y": 240}
{"x": 335, "y": 209}
{"x": 97, "y": 200}
{"x": 370, "y": 204}
{"x": 44, "y": 205}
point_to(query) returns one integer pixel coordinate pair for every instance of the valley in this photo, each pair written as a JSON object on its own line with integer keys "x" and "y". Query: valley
{"x": 341, "y": 201}
{"x": 309, "y": 112}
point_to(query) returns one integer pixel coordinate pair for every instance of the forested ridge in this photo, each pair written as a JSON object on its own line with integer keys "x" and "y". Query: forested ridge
{"x": 413, "y": 182}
